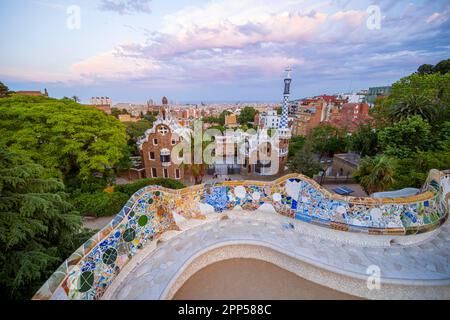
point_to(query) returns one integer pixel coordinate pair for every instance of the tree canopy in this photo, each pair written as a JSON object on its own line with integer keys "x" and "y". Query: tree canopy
{"x": 364, "y": 140}
{"x": 425, "y": 69}
{"x": 406, "y": 137}
{"x": 222, "y": 116}
{"x": 61, "y": 135}
{"x": 4, "y": 90}
{"x": 38, "y": 228}
{"x": 295, "y": 145}
{"x": 328, "y": 140}
{"x": 247, "y": 115}
{"x": 116, "y": 112}
{"x": 441, "y": 67}
{"x": 420, "y": 95}
{"x": 304, "y": 162}
{"x": 412, "y": 130}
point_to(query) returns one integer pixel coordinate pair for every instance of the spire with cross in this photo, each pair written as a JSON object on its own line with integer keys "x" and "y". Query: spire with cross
{"x": 287, "y": 89}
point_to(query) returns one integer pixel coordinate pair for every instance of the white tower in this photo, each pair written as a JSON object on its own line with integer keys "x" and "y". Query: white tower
{"x": 283, "y": 127}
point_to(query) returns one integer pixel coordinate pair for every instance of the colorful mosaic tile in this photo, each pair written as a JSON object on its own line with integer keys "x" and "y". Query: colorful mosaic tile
{"x": 149, "y": 212}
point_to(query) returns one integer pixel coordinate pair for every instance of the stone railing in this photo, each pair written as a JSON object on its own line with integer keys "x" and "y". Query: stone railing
{"x": 88, "y": 272}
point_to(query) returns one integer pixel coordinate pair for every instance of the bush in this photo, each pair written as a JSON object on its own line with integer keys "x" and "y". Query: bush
{"x": 131, "y": 188}
{"x": 100, "y": 204}
{"x": 104, "y": 204}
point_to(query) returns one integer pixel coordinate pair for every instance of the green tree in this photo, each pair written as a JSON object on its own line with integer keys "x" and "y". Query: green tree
{"x": 150, "y": 117}
{"x": 135, "y": 130}
{"x": 296, "y": 145}
{"x": 38, "y": 228}
{"x": 247, "y": 115}
{"x": 417, "y": 95}
{"x": 76, "y": 99}
{"x": 304, "y": 162}
{"x": 212, "y": 119}
{"x": 222, "y": 116}
{"x": 364, "y": 140}
{"x": 130, "y": 188}
{"x": 4, "y": 90}
{"x": 328, "y": 140}
{"x": 99, "y": 204}
{"x": 198, "y": 170}
{"x": 425, "y": 69}
{"x": 218, "y": 127}
{"x": 412, "y": 105}
{"x": 116, "y": 112}
{"x": 442, "y": 67}
{"x": 413, "y": 171}
{"x": 406, "y": 137}
{"x": 380, "y": 113}
{"x": 74, "y": 141}
{"x": 376, "y": 174}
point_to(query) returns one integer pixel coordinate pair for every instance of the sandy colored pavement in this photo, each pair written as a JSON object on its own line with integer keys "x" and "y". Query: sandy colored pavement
{"x": 251, "y": 279}
{"x": 96, "y": 223}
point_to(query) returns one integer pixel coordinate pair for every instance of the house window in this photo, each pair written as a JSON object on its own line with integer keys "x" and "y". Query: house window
{"x": 163, "y": 130}
{"x": 177, "y": 174}
{"x": 166, "y": 173}
{"x": 165, "y": 156}
{"x": 155, "y": 142}
{"x": 154, "y": 173}
{"x": 151, "y": 155}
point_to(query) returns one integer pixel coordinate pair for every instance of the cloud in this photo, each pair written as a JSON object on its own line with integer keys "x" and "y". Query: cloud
{"x": 124, "y": 7}
{"x": 225, "y": 34}
{"x": 437, "y": 17}
{"x": 111, "y": 66}
{"x": 250, "y": 42}
{"x": 225, "y": 41}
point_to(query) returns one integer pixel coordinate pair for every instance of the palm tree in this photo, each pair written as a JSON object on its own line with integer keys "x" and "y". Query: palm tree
{"x": 198, "y": 170}
{"x": 376, "y": 174}
{"x": 411, "y": 105}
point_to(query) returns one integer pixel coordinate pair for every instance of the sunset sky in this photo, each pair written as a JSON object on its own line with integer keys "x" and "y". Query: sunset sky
{"x": 215, "y": 50}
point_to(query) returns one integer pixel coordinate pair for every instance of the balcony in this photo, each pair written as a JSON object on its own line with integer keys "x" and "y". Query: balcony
{"x": 283, "y": 152}
{"x": 93, "y": 268}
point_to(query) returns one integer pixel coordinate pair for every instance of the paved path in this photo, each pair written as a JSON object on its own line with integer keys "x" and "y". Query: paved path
{"x": 96, "y": 223}
{"x": 420, "y": 264}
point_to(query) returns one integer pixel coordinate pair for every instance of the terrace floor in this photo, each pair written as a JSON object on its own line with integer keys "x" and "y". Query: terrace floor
{"x": 411, "y": 266}
{"x": 246, "y": 279}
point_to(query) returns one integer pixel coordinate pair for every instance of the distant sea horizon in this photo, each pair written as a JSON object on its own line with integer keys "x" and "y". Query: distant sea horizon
{"x": 208, "y": 102}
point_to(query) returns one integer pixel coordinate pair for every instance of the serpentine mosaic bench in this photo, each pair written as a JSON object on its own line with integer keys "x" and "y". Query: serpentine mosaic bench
{"x": 88, "y": 272}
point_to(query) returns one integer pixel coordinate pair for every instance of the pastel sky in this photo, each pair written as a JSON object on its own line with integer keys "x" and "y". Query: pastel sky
{"x": 216, "y": 50}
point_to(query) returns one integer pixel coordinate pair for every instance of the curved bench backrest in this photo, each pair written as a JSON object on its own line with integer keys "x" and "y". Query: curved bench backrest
{"x": 89, "y": 271}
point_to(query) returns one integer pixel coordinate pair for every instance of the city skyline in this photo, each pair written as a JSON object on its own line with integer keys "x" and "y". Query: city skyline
{"x": 193, "y": 51}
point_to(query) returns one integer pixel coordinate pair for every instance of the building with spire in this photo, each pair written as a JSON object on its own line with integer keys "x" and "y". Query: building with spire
{"x": 273, "y": 144}
{"x": 264, "y": 152}
{"x": 157, "y": 143}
